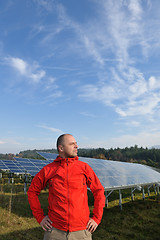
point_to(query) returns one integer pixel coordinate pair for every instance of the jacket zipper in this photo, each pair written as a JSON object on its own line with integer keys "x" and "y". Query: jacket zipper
{"x": 68, "y": 193}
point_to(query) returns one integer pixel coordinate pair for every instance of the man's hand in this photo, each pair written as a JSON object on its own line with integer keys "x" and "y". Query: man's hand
{"x": 92, "y": 225}
{"x": 46, "y": 223}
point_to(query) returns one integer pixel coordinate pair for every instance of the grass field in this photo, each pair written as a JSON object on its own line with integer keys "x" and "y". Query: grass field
{"x": 139, "y": 220}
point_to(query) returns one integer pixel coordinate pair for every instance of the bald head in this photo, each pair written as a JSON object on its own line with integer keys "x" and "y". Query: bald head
{"x": 60, "y": 139}
{"x": 67, "y": 146}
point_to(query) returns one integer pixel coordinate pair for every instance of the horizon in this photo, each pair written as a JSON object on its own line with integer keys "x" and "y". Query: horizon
{"x": 89, "y": 68}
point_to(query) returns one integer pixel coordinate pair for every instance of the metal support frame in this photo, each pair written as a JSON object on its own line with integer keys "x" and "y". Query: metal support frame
{"x": 133, "y": 188}
{"x": 157, "y": 188}
{"x": 132, "y": 191}
{"x": 25, "y": 183}
{"x": 149, "y": 190}
{"x": 120, "y": 199}
{"x": 10, "y": 177}
{"x": 143, "y": 193}
{"x": 132, "y": 195}
{"x": 107, "y": 195}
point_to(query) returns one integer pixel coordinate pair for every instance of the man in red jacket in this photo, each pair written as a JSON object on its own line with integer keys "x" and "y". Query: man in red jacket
{"x": 68, "y": 211}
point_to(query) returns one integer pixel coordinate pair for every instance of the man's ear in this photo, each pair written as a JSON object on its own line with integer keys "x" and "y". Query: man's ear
{"x": 60, "y": 147}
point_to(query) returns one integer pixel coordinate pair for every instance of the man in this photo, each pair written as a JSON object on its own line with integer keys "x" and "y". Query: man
{"x": 68, "y": 211}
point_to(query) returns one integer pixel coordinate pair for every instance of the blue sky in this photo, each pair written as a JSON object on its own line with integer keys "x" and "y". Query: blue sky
{"x": 89, "y": 68}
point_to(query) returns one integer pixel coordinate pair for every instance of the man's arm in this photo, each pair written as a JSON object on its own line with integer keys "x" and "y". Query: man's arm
{"x": 97, "y": 189}
{"x": 38, "y": 183}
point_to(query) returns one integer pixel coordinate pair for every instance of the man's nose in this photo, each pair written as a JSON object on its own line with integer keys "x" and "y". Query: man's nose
{"x": 76, "y": 145}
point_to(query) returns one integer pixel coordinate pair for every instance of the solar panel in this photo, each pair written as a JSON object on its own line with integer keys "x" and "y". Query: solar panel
{"x": 32, "y": 166}
{"x": 48, "y": 156}
{"x": 12, "y": 166}
{"x": 118, "y": 175}
{"x": 3, "y": 165}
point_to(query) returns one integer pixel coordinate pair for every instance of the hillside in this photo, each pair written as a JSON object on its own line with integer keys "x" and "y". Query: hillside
{"x": 141, "y": 155}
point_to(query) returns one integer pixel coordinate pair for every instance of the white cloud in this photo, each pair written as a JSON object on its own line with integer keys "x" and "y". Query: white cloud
{"x": 51, "y": 85}
{"x": 147, "y": 105}
{"x": 134, "y": 123}
{"x": 129, "y": 97}
{"x": 116, "y": 30}
{"x": 50, "y": 128}
{"x": 138, "y": 88}
{"x": 2, "y": 142}
{"x": 52, "y": 80}
{"x": 87, "y": 114}
{"x": 54, "y": 95}
{"x": 92, "y": 50}
{"x": 152, "y": 82}
{"x": 135, "y": 8}
{"x": 142, "y": 139}
{"x": 29, "y": 71}
{"x": 18, "y": 64}
{"x": 48, "y": 5}
{"x": 36, "y": 77}
{"x": 125, "y": 88}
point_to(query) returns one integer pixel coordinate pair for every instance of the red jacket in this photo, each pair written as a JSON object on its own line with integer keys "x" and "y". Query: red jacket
{"x": 68, "y": 202}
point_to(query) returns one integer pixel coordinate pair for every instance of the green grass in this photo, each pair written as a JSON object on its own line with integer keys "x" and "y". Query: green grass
{"x": 139, "y": 220}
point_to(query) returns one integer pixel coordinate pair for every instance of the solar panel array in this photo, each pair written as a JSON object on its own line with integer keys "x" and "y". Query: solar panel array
{"x": 32, "y": 166}
{"x": 119, "y": 175}
{"x": 23, "y": 165}
{"x": 112, "y": 174}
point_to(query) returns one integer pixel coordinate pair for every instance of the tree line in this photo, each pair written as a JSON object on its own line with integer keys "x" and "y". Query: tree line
{"x": 134, "y": 154}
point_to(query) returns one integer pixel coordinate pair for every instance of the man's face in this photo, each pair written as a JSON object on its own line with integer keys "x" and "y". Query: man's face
{"x": 69, "y": 147}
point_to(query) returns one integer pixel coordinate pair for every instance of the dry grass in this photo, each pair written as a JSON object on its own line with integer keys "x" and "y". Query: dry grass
{"x": 139, "y": 220}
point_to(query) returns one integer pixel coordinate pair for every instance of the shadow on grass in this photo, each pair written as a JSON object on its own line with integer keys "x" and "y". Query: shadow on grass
{"x": 29, "y": 234}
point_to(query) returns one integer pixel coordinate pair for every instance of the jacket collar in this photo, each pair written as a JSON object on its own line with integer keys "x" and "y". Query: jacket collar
{"x": 59, "y": 159}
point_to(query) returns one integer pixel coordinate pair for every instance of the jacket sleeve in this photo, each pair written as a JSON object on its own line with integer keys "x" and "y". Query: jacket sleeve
{"x": 38, "y": 183}
{"x": 97, "y": 189}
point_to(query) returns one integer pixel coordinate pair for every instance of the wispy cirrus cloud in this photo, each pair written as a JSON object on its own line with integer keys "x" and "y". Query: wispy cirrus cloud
{"x": 125, "y": 88}
{"x": 125, "y": 28}
{"x": 55, "y": 130}
{"x": 82, "y": 37}
{"x": 47, "y": 5}
{"x": 87, "y": 114}
{"x": 117, "y": 28}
